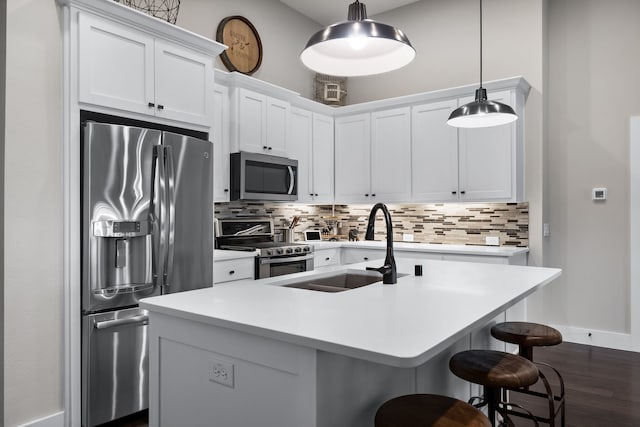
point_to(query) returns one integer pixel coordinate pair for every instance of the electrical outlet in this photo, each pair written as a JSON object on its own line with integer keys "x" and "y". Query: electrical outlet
{"x": 492, "y": 241}
{"x": 407, "y": 237}
{"x": 221, "y": 372}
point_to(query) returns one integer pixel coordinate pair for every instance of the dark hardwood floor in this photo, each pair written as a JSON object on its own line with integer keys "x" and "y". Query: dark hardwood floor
{"x": 602, "y": 387}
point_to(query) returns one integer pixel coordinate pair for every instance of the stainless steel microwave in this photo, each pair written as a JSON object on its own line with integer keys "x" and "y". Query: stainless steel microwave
{"x": 263, "y": 177}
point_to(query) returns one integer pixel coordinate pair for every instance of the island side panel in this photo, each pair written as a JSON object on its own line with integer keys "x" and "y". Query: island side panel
{"x": 349, "y": 391}
{"x": 273, "y": 383}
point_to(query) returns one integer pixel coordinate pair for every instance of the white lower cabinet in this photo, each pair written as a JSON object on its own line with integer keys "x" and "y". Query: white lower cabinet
{"x": 355, "y": 255}
{"x": 326, "y": 257}
{"x": 233, "y": 269}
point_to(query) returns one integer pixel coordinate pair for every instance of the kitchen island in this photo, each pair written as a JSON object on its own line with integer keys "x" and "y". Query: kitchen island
{"x": 251, "y": 353}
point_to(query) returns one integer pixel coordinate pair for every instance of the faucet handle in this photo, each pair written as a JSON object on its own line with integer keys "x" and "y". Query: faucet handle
{"x": 385, "y": 269}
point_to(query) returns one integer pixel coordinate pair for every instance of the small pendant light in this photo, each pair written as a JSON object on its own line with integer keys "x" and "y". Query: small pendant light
{"x": 357, "y": 47}
{"x": 481, "y": 112}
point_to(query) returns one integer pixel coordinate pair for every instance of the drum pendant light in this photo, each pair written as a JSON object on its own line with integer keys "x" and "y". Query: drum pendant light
{"x": 357, "y": 47}
{"x": 481, "y": 112}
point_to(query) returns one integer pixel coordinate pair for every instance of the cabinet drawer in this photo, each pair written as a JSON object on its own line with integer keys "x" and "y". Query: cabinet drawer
{"x": 233, "y": 269}
{"x": 352, "y": 256}
{"x": 326, "y": 257}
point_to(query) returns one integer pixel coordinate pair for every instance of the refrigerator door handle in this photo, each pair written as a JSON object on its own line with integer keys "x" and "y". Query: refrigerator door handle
{"x": 161, "y": 248}
{"x": 142, "y": 319}
{"x": 170, "y": 223}
{"x": 292, "y": 179}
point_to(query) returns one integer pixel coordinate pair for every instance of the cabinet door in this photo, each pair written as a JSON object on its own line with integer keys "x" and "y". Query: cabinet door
{"x": 322, "y": 159}
{"x": 355, "y": 255}
{"x": 251, "y": 121}
{"x": 220, "y": 136}
{"x": 353, "y": 159}
{"x": 183, "y": 84}
{"x": 487, "y": 158}
{"x": 391, "y": 155}
{"x": 434, "y": 145}
{"x": 116, "y": 66}
{"x": 277, "y": 126}
{"x": 300, "y": 150}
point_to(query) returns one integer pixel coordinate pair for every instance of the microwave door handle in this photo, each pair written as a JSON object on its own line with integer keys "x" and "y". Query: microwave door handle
{"x": 161, "y": 247}
{"x": 292, "y": 179}
{"x": 171, "y": 217}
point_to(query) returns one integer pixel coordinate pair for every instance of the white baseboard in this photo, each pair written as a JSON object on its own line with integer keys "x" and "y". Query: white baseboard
{"x": 54, "y": 420}
{"x": 596, "y": 338}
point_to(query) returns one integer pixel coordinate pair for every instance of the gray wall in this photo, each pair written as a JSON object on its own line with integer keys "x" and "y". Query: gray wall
{"x": 3, "y": 51}
{"x": 593, "y": 90}
{"x": 283, "y": 31}
{"x": 33, "y": 213}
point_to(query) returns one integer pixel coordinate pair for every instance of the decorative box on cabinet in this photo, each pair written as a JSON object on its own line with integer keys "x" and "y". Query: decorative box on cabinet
{"x": 123, "y": 68}
{"x": 260, "y": 122}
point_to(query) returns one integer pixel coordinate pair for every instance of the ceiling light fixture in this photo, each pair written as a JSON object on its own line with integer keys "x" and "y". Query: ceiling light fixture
{"x": 357, "y": 47}
{"x": 481, "y": 112}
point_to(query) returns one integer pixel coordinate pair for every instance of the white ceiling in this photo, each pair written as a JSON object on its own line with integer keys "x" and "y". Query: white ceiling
{"x": 327, "y": 12}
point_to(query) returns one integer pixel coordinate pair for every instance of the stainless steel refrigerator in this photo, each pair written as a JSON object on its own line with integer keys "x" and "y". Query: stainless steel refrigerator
{"x": 147, "y": 219}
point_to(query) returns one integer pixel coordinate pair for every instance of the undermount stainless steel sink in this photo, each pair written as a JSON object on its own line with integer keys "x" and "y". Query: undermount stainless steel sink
{"x": 339, "y": 281}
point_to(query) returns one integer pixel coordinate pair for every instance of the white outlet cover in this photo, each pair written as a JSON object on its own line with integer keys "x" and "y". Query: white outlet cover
{"x": 407, "y": 237}
{"x": 492, "y": 241}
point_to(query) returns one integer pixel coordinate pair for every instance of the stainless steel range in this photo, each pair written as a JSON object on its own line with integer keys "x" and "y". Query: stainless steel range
{"x": 258, "y": 234}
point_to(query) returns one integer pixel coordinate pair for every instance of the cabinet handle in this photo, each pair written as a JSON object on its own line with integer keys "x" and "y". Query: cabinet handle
{"x": 373, "y": 195}
{"x": 366, "y": 195}
{"x": 269, "y": 148}
{"x": 151, "y": 105}
{"x": 454, "y": 192}
{"x": 160, "y": 107}
{"x": 462, "y": 192}
{"x": 327, "y": 258}
{"x": 366, "y": 258}
{"x": 226, "y": 190}
{"x": 316, "y": 194}
{"x": 311, "y": 194}
{"x": 232, "y": 272}
{"x": 264, "y": 147}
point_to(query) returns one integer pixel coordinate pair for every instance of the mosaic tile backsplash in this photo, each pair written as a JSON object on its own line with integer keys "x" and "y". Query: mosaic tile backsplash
{"x": 450, "y": 223}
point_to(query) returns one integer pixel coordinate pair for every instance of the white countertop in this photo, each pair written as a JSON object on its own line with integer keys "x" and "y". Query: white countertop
{"x": 506, "y": 251}
{"x": 222, "y": 254}
{"x": 400, "y": 325}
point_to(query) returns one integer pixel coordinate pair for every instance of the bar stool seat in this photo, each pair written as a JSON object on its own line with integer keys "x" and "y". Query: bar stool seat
{"x": 495, "y": 371}
{"x": 528, "y": 335}
{"x": 429, "y": 410}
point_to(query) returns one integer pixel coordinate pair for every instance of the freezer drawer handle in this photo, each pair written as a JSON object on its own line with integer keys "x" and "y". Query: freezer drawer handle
{"x": 142, "y": 319}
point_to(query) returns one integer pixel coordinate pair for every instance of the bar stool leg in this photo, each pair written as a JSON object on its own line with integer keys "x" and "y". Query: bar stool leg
{"x": 492, "y": 397}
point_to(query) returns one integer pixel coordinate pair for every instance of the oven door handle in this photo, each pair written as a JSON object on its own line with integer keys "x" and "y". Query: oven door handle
{"x": 283, "y": 260}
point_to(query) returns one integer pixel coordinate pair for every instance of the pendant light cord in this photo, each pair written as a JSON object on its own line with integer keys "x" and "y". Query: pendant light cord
{"x": 480, "y": 43}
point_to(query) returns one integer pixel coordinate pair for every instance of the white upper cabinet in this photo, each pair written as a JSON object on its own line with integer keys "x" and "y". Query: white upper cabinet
{"x": 311, "y": 144}
{"x": 373, "y": 157}
{"x": 300, "y": 150}
{"x": 479, "y": 164}
{"x": 353, "y": 158}
{"x": 391, "y": 155}
{"x": 434, "y": 145}
{"x": 220, "y": 138}
{"x": 122, "y": 68}
{"x": 488, "y": 158}
{"x": 322, "y": 159}
{"x": 261, "y": 123}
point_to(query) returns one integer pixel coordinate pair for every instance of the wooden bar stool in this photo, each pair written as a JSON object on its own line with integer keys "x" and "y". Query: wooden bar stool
{"x": 495, "y": 371}
{"x": 429, "y": 410}
{"x": 528, "y": 335}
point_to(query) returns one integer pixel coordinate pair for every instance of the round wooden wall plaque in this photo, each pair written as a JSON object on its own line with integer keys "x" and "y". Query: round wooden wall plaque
{"x": 244, "y": 52}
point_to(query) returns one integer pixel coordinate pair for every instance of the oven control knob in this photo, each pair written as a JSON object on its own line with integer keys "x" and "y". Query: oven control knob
{"x": 279, "y": 251}
{"x": 298, "y": 249}
{"x": 289, "y": 250}
{"x": 306, "y": 249}
{"x": 269, "y": 251}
